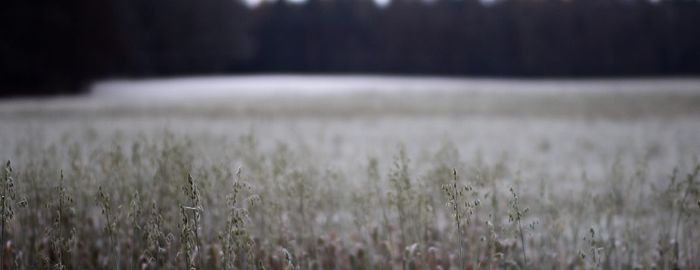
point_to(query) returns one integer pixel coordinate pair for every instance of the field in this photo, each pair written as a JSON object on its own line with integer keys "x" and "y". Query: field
{"x": 354, "y": 173}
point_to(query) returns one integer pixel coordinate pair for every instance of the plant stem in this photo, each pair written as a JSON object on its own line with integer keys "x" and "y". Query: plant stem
{"x": 522, "y": 243}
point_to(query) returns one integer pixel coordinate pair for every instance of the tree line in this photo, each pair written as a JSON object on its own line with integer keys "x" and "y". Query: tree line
{"x": 52, "y": 47}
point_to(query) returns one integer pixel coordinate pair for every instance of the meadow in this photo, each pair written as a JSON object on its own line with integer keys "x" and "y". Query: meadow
{"x": 385, "y": 174}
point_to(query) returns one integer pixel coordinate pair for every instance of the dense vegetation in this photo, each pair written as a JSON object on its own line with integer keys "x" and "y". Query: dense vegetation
{"x": 59, "y": 48}
{"x": 154, "y": 203}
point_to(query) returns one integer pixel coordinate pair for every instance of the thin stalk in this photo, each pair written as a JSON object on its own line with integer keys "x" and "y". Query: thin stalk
{"x": 522, "y": 242}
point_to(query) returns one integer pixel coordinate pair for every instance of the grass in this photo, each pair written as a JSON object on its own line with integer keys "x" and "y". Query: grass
{"x": 7, "y": 195}
{"x": 516, "y": 215}
{"x": 454, "y": 200}
{"x": 499, "y": 190}
{"x": 215, "y": 220}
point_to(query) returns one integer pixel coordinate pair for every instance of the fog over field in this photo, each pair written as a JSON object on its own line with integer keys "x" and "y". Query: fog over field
{"x": 576, "y": 125}
{"x": 353, "y": 117}
{"x": 583, "y": 156}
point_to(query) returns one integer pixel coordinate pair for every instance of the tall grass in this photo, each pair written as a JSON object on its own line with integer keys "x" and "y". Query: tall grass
{"x": 160, "y": 204}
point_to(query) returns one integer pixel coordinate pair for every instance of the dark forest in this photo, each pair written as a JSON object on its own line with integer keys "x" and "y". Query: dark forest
{"x": 51, "y": 47}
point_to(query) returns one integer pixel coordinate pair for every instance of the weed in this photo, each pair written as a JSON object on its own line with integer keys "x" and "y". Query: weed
{"x": 294, "y": 210}
{"x": 454, "y": 198}
{"x": 105, "y": 204}
{"x": 7, "y": 197}
{"x": 238, "y": 244}
{"x": 190, "y": 225}
{"x": 516, "y": 215}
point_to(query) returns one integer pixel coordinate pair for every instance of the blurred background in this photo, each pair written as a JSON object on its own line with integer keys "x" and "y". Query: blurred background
{"x": 62, "y": 47}
{"x": 339, "y": 134}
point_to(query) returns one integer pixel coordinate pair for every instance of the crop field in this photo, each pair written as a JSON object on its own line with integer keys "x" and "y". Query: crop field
{"x": 284, "y": 172}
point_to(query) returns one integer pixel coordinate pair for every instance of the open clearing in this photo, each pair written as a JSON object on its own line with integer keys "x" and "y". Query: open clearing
{"x": 355, "y": 173}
